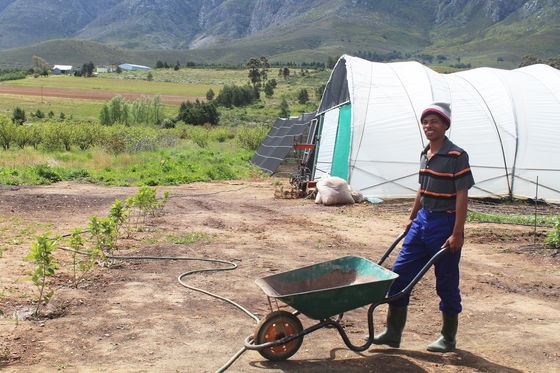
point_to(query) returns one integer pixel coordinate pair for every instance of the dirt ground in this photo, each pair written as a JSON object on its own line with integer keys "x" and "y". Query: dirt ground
{"x": 136, "y": 317}
{"x": 89, "y": 94}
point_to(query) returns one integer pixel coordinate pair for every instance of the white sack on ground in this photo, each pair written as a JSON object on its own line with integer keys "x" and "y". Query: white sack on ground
{"x": 333, "y": 190}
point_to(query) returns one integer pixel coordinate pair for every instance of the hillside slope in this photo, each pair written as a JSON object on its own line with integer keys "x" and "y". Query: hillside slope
{"x": 286, "y": 30}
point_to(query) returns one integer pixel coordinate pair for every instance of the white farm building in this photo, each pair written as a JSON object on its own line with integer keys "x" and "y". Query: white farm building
{"x": 62, "y": 69}
{"x": 132, "y": 67}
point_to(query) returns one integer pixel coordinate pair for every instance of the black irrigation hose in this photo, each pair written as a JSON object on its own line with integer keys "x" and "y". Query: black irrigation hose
{"x": 231, "y": 267}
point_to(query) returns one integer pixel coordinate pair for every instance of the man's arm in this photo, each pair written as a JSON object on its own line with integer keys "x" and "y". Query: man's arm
{"x": 415, "y": 208}
{"x": 455, "y": 241}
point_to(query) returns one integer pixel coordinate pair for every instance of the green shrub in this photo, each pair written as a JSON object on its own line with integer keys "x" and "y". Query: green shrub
{"x": 47, "y": 174}
{"x": 222, "y": 134}
{"x": 12, "y": 75}
{"x": 251, "y": 137}
{"x": 553, "y": 237}
{"x": 86, "y": 135}
{"x": 18, "y": 116}
{"x": 199, "y": 136}
{"x": 120, "y": 139}
{"x": 198, "y": 113}
{"x": 41, "y": 254}
{"x": 232, "y": 95}
{"x": 168, "y": 123}
{"x": 22, "y": 136}
{"x": 7, "y": 132}
{"x": 57, "y": 136}
{"x": 303, "y": 96}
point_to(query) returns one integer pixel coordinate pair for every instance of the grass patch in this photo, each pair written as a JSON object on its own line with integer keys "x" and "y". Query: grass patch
{"x": 189, "y": 238}
{"x": 182, "y": 164}
{"x": 120, "y": 85}
{"x": 76, "y": 109}
{"x": 547, "y": 220}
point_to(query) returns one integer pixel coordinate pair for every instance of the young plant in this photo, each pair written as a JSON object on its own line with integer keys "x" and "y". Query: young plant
{"x": 118, "y": 213}
{"x": 553, "y": 237}
{"x": 103, "y": 235}
{"x": 147, "y": 203}
{"x": 42, "y": 256}
{"x": 81, "y": 266}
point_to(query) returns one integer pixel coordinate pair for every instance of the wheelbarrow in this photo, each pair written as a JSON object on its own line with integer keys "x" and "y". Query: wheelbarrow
{"x": 321, "y": 292}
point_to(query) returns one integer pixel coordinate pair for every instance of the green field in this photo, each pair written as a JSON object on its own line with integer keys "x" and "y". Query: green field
{"x": 120, "y": 85}
{"x": 192, "y": 76}
{"x": 195, "y": 81}
{"x": 182, "y": 155}
{"x": 75, "y": 108}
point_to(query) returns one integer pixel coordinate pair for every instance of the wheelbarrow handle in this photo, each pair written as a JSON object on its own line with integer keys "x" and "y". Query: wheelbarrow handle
{"x": 417, "y": 278}
{"x": 392, "y": 247}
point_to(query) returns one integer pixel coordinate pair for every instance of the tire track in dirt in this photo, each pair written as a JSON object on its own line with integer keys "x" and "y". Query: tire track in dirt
{"x": 89, "y": 94}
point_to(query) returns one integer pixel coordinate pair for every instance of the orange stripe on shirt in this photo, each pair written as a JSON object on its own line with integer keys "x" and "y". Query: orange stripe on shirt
{"x": 435, "y": 172}
{"x": 438, "y": 194}
{"x": 462, "y": 172}
{"x": 454, "y": 152}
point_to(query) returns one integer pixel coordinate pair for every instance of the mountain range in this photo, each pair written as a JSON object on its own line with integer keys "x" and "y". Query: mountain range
{"x": 230, "y": 31}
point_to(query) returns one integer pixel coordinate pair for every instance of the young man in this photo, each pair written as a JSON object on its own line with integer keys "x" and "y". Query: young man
{"x": 437, "y": 220}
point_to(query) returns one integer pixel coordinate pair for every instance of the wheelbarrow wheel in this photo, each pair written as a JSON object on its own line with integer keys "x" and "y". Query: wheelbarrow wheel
{"x": 275, "y": 326}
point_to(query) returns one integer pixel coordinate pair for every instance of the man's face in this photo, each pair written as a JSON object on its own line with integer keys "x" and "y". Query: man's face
{"x": 434, "y": 127}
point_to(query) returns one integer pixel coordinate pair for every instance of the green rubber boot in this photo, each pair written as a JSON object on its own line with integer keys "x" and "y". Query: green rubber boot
{"x": 396, "y": 318}
{"x": 446, "y": 341}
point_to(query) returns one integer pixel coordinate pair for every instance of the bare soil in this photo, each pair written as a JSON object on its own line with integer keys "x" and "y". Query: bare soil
{"x": 136, "y": 317}
{"x": 90, "y": 94}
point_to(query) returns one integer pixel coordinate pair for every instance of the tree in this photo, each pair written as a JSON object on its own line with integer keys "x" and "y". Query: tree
{"x": 441, "y": 58}
{"x": 529, "y": 59}
{"x": 269, "y": 89}
{"x": 285, "y": 73}
{"x": 331, "y": 61}
{"x": 18, "y": 116}
{"x": 159, "y": 64}
{"x": 104, "y": 116}
{"x": 118, "y": 110}
{"x": 303, "y": 96}
{"x": 198, "y": 113}
{"x": 40, "y": 66}
{"x": 284, "y": 109}
{"x": 210, "y": 95}
{"x": 254, "y": 66}
{"x": 232, "y": 95}
{"x": 150, "y": 76}
{"x": 264, "y": 69}
{"x": 87, "y": 69}
{"x": 119, "y": 70}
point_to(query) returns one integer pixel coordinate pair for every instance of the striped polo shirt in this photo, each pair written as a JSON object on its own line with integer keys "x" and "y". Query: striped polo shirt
{"x": 443, "y": 175}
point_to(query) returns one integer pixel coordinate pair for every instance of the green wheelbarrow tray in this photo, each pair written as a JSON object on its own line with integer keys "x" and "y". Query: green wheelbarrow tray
{"x": 330, "y": 288}
{"x": 323, "y": 290}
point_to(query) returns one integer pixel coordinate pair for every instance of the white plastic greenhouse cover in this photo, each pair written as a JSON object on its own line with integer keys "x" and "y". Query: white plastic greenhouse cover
{"x": 507, "y": 121}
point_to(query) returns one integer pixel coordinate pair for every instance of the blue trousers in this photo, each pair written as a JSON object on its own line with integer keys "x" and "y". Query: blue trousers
{"x": 428, "y": 233}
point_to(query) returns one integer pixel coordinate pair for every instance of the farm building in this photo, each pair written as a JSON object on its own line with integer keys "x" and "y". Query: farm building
{"x": 62, "y": 69}
{"x": 369, "y": 133}
{"x": 131, "y": 67}
{"x": 106, "y": 69}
